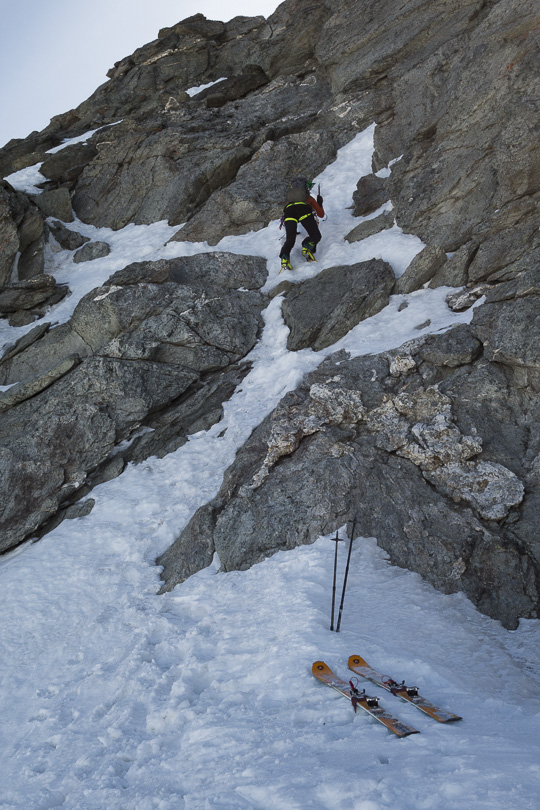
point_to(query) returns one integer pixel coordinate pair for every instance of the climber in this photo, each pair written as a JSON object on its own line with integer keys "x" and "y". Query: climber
{"x": 301, "y": 207}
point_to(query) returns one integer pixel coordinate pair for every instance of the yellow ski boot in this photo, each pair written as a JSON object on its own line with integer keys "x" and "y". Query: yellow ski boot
{"x": 307, "y": 252}
{"x": 285, "y": 264}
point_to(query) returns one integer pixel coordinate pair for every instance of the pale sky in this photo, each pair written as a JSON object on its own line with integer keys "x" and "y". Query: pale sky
{"x": 55, "y": 53}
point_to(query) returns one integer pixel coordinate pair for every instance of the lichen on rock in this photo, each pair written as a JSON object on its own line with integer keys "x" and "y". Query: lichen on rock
{"x": 489, "y": 488}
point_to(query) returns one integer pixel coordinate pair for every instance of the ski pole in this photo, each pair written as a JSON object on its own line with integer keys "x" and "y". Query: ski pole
{"x": 345, "y": 577}
{"x": 336, "y": 540}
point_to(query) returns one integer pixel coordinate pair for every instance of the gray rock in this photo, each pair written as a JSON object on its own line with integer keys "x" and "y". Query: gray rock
{"x": 228, "y": 270}
{"x": 421, "y": 270}
{"x": 66, "y": 165}
{"x": 32, "y": 260}
{"x": 250, "y": 78}
{"x": 26, "y": 294}
{"x": 201, "y": 331}
{"x": 21, "y": 391}
{"x": 447, "y": 202}
{"x": 525, "y": 264}
{"x": 95, "y": 405}
{"x": 20, "y": 317}
{"x": 502, "y": 249}
{"x": 464, "y": 299}
{"x": 279, "y": 289}
{"x": 371, "y": 192}
{"x": 66, "y": 238}
{"x": 31, "y": 227}
{"x": 108, "y": 471}
{"x": 33, "y": 234}
{"x": 510, "y": 331}
{"x": 24, "y": 342}
{"x": 487, "y": 399}
{"x": 167, "y": 314}
{"x": 38, "y": 461}
{"x": 192, "y": 552}
{"x": 526, "y": 283}
{"x": 55, "y": 203}
{"x": 91, "y": 251}
{"x": 169, "y": 430}
{"x": 42, "y": 349}
{"x": 453, "y": 272}
{"x": 79, "y": 510}
{"x": 371, "y": 227}
{"x": 131, "y": 390}
{"x": 109, "y": 311}
{"x": 19, "y": 153}
{"x": 163, "y": 179}
{"x": 198, "y": 25}
{"x": 323, "y": 309}
{"x": 9, "y": 237}
{"x": 456, "y": 347}
{"x": 490, "y": 488}
{"x": 141, "y": 273}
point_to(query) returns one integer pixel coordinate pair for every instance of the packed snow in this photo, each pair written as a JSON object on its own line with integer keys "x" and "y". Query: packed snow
{"x": 203, "y": 698}
{"x": 192, "y": 91}
{"x": 77, "y": 139}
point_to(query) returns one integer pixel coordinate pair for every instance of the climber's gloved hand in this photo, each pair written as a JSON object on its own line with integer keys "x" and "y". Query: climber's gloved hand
{"x": 319, "y": 199}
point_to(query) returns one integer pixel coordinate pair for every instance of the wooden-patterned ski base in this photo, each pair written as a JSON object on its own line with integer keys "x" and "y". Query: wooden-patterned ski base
{"x": 358, "y": 665}
{"x": 323, "y": 673}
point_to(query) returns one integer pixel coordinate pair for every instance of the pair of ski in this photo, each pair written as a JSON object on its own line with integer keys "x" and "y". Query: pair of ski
{"x": 371, "y": 704}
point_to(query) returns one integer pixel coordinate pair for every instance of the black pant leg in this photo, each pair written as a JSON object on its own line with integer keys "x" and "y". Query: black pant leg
{"x": 312, "y": 229}
{"x": 291, "y": 232}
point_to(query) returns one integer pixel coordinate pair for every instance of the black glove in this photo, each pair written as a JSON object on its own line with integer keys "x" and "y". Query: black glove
{"x": 319, "y": 199}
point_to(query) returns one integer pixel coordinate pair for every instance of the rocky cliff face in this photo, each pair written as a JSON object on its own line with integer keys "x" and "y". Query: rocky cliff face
{"x": 433, "y": 448}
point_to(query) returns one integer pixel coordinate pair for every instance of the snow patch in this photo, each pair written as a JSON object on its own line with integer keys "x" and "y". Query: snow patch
{"x": 194, "y": 90}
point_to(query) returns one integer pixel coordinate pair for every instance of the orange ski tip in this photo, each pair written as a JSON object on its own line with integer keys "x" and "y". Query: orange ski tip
{"x": 357, "y": 661}
{"x": 318, "y": 667}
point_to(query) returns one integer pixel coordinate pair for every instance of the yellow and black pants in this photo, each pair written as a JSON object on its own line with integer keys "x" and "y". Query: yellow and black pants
{"x": 296, "y": 213}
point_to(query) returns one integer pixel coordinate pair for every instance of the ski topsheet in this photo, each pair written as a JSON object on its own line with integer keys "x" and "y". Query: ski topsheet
{"x": 408, "y": 693}
{"x": 370, "y": 705}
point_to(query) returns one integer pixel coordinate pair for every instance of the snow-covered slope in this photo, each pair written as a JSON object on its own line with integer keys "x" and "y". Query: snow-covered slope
{"x": 114, "y": 697}
{"x": 203, "y": 698}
